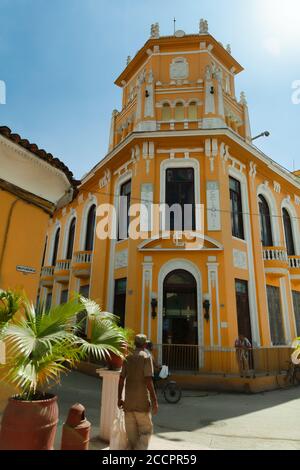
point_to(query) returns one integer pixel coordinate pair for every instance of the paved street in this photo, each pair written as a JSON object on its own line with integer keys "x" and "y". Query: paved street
{"x": 204, "y": 420}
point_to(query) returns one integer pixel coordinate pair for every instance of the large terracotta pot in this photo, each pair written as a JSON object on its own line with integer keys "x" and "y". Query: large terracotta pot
{"x": 115, "y": 362}
{"x": 29, "y": 425}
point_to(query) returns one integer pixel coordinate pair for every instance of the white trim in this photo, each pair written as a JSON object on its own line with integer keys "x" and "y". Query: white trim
{"x": 266, "y": 192}
{"x": 166, "y": 269}
{"x": 180, "y": 163}
{"x": 91, "y": 202}
{"x": 283, "y": 272}
{"x": 241, "y": 177}
{"x": 213, "y": 268}
{"x": 286, "y": 204}
{"x": 285, "y": 310}
{"x": 275, "y": 167}
{"x": 73, "y": 215}
{"x": 290, "y": 294}
{"x": 51, "y": 246}
{"x": 166, "y": 236}
{"x": 111, "y": 285}
{"x": 180, "y": 150}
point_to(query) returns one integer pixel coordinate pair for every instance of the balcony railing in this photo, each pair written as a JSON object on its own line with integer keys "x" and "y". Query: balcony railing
{"x": 221, "y": 361}
{"x": 294, "y": 262}
{"x": 83, "y": 257}
{"x": 63, "y": 265}
{"x": 47, "y": 271}
{"x": 275, "y": 254}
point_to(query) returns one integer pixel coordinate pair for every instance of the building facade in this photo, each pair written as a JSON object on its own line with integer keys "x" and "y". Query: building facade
{"x": 182, "y": 137}
{"x": 32, "y": 185}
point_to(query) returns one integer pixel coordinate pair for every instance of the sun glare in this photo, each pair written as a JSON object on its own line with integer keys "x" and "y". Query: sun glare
{"x": 281, "y": 18}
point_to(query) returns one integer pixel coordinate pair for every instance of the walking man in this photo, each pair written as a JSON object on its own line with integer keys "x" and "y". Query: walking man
{"x": 243, "y": 347}
{"x": 140, "y": 397}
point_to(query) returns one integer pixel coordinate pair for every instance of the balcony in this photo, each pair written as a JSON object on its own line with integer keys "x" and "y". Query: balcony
{"x": 276, "y": 260}
{"x": 47, "y": 276}
{"x": 62, "y": 271}
{"x": 294, "y": 262}
{"x": 81, "y": 265}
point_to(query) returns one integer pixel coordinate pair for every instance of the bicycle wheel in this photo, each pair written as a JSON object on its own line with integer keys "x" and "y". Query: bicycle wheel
{"x": 172, "y": 393}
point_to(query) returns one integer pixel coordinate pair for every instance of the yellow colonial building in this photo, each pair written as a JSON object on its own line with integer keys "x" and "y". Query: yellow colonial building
{"x": 183, "y": 137}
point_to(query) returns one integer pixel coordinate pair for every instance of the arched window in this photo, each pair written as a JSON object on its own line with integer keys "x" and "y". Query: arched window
{"x": 179, "y": 112}
{"x": 166, "y": 112}
{"x": 90, "y": 229}
{"x": 288, "y": 230}
{"x": 265, "y": 222}
{"x": 71, "y": 238}
{"x": 193, "y": 112}
{"x": 55, "y": 247}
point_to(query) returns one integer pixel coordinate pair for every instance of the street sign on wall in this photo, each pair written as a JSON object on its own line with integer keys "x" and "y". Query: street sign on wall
{"x": 26, "y": 269}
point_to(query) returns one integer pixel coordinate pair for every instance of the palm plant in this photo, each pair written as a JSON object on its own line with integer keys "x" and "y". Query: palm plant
{"x": 45, "y": 343}
{"x": 296, "y": 353}
{"x": 10, "y": 304}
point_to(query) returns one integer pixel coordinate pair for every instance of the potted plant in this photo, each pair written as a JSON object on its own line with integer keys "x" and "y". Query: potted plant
{"x": 42, "y": 345}
{"x": 115, "y": 361}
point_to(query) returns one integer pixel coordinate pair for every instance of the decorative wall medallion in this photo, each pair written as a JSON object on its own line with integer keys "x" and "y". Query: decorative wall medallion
{"x": 121, "y": 259}
{"x": 179, "y": 69}
{"x": 240, "y": 259}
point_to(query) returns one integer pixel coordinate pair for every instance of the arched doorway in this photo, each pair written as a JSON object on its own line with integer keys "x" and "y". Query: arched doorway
{"x": 180, "y": 321}
{"x": 180, "y": 325}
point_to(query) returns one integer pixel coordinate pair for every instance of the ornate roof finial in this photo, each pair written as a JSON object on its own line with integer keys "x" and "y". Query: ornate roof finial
{"x": 203, "y": 26}
{"x": 228, "y": 48}
{"x": 155, "y": 30}
{"x": 243, "y": 99}
{"x": 128, "y": 59}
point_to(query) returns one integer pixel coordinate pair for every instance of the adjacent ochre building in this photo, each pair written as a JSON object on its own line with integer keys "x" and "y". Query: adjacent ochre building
{"x": 33, "y": 184}
{"x": 182, "y": 136}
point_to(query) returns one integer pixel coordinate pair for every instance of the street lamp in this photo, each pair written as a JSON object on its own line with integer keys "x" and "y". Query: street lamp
{"x": 263, "y": 134}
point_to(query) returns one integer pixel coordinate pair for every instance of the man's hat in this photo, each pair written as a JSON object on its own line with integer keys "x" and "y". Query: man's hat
{"x": 140, "y": 340}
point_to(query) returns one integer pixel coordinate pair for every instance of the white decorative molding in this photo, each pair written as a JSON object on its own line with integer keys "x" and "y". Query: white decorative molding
{"x": 253, "y": 172}
{"x": 213, "y": 206}
{"x": 193, "y": 269}
{"x": 105, "y": 179}
{"x": 179, "y": 68}
{"x": 277, "y": 187}
{"x": 121, "y": 259}
{"x": 146, "y": 288}
{"x": 240, "y": 259}
{"x": 211, "y": 151}
{"x": 149, "y": 99}
{"x": 297, "y": 200}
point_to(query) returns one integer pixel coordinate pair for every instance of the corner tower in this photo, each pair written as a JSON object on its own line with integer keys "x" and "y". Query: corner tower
{"x": 180, "y": 82}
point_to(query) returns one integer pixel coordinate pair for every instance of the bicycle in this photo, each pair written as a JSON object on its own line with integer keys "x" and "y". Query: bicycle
{"x": 292, "y": 375}
{"x": 171, "y": 390}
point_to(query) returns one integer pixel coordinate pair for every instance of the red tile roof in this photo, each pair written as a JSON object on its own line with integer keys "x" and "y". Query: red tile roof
{"x": 40, "y": 153}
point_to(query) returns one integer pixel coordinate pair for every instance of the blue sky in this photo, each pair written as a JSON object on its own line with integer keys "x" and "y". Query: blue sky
{"x": 60, "y": 58}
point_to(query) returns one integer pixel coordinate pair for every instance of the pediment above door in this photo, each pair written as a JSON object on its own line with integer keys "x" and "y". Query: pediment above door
{"x": 179, "y": 241}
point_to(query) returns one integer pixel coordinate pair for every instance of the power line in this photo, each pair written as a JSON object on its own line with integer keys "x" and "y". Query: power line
{"x": 147, "y": 202}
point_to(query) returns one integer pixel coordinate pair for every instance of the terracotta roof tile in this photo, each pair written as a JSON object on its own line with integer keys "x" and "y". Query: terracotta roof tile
{"x": 40, "y": 153}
